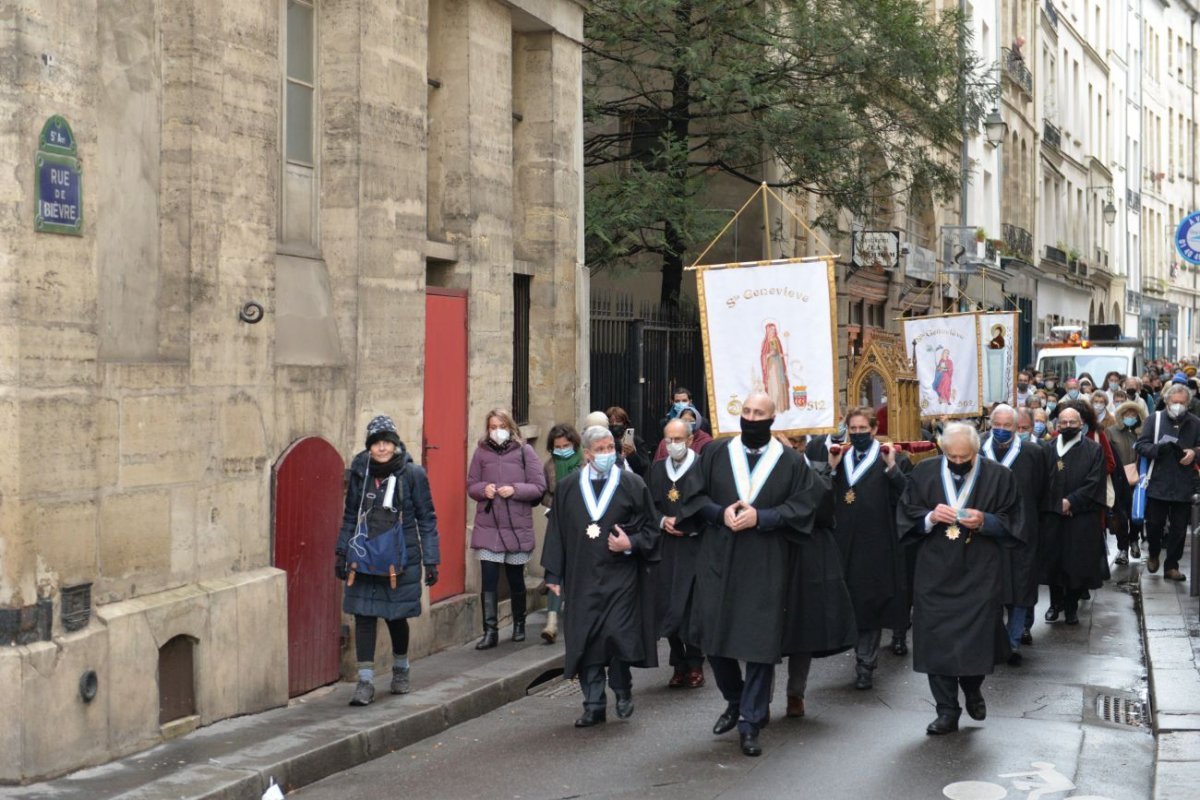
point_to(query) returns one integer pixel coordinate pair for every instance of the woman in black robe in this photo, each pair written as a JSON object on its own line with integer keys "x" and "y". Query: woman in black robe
{"x": 958, "y": 509}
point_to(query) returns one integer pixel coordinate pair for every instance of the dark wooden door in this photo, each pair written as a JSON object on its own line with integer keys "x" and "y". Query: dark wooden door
{"x": 307, "y": 514}
{"x": 445, "y": 423}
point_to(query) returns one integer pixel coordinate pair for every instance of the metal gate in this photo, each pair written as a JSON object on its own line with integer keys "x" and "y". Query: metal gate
{"x": 639, "y": 357}
{"x": 307, "y": 512}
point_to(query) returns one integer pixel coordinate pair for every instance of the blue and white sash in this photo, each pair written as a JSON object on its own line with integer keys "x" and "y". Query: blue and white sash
{"x": 597, "y": 507}
{"x": 854, "y": 472}
{"x": 748, "y": 483}
{"x": 958, "y": 499}
{"x": 1010, "y": 457}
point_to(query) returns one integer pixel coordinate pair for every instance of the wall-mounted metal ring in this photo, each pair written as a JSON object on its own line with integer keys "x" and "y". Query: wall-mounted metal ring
{"x": 252, "y": 313}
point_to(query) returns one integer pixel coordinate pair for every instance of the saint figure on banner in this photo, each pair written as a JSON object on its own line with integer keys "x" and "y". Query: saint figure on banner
{"x": 997, "y": 342}
{"x": 774, "y": 368}
{"x": 943, "y": 375}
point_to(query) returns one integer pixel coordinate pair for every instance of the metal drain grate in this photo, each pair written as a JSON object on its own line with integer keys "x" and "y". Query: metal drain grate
{"x": 558, "y": 688}
{"x": 1121, "y": 710}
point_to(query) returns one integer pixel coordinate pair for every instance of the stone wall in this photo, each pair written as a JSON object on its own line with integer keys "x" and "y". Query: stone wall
{"x": 142, "y": 418}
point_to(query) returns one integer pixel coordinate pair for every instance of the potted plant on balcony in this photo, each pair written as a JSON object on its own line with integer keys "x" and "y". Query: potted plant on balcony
{"x": 980, "y": 235}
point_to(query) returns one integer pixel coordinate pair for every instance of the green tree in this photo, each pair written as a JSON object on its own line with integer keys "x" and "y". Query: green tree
{"x": 851, "y": 97}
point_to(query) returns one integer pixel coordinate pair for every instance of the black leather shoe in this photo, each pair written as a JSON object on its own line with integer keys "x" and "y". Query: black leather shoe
{"x": 945, "y": 723}
{"x": 624, "y": 704}
{"x": 1026, "y": 637}
{"x": 1015, "y": 658}
{"x": 1072, "y": 618}
{"x": 727, "y": 721}
{"x": 1052, "y": 614}
{"x": 750, "y": 745}
{"x": 863, "y": 681}
{"x": 899, "y": 647}
{"x": 976, "y": 707}
{"x": 591, "y": 718}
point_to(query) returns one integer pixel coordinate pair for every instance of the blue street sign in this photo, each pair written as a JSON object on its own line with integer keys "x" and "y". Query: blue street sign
{"x": 1187, "y": 238}
{"x": 59, "y": 180}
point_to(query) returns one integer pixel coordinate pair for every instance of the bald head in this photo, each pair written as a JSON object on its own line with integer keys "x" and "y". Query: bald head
{"x": 758, "y": 405}
{"x": 676, "y": 429}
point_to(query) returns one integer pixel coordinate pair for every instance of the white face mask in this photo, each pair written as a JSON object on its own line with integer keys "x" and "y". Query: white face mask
{"x": 1176, "y": 409}
{"x": 1100, "y": 410}
{"x": 677, "y": 450}
{"x": 500, "y": 436}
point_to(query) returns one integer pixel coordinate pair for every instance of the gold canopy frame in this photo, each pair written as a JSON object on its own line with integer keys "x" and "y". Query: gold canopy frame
{"x": 884, "y": 355}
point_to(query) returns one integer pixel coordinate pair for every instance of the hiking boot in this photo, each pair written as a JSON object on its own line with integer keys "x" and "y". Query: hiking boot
{"x": 364, "y": 694}
{"x": 400, "y": 681}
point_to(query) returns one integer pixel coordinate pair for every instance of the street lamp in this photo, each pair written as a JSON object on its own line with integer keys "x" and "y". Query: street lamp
{"x": 1109, "y": 212}
{"x": 996, "y": 130}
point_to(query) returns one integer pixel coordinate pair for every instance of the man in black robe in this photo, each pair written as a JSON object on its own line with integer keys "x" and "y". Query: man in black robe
{"x": 867, "y": 484}
{"x": 1027, "y": 462}
{"x": 1073, "y": 547}
{"x": 762, "y": 495}
{"x": 600, "y": 542}
{"x": 958, "y": 508}
{"x": 677, "y": 489}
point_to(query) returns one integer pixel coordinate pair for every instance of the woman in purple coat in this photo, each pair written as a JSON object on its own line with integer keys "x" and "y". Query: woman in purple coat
{"x": 506, "y": 482}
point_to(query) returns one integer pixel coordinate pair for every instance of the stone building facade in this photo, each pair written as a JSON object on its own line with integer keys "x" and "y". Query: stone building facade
{"x": 337, "y": 162}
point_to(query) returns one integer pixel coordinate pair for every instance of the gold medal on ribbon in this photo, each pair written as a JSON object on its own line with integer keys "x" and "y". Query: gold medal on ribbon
{"x": 850, "y": 497}
{"x": 673, "y": 494}
{"x": 1061, "y": 465}
{"x": 953, "y": 532}
{"x": 593, "y": 531}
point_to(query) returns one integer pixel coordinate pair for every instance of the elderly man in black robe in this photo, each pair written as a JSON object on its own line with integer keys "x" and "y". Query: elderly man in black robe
{"x": 762, "y": 495}
{"x": 958, "y": 508}
{"x": 867, "y": 484}
{"x": 677, "y": 489}
{"x": 1027, "y": 462}
{"x": 1074, "y": 552}
{"x": 600, "y": 543}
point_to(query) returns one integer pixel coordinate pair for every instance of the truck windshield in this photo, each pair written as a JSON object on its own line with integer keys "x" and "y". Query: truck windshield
{"x": 1073, "y": 366}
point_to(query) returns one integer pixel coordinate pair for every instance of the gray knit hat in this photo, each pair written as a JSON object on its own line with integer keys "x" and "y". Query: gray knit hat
{"x": 382, "y": 429}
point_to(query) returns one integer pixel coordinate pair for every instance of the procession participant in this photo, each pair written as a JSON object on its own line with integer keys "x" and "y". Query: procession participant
{"x": 1169, "y": 441}
{"x": 599, "y": 544}
{"x": 1025, "y": 432}
{"x": 677, "y": 489}
{"x": 1123, "y": 435}
{"x": 1027, "y": 462}
{"x": 867, "y": 485}
{"x": 1072, "y": 537}
{"x": 819, "y": 446}
{"x": 958, "y": 508}
{"x": 762, "y": 495}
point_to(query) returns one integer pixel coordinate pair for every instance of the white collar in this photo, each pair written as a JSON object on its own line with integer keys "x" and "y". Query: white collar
{"x": 1058, "y": 443}
{"x": 675, "y": 473}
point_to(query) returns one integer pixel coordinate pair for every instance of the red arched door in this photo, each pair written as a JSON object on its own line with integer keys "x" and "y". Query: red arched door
{"x": 307, "y": 514}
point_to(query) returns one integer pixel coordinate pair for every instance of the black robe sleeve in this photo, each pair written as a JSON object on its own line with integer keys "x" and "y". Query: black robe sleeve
{"x": 554, "y": 558}
{"x": 1090, "y": 494}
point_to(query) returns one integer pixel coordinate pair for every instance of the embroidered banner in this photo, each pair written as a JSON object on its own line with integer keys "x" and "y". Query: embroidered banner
{"x": 771, "y": 326}
{"x": 998, "y": 357}
{"x": 946, "y": 350}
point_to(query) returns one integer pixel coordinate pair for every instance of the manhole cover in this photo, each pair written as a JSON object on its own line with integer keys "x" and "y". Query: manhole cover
{"x": 1120, "y": 710}
{"x": 558, "y": 688}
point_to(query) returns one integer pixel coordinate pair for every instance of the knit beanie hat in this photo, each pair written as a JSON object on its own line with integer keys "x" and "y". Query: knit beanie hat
{"x": 1179, "y": 378}
{"x": 382, "y": 429}
{"x": 596, "y": 418}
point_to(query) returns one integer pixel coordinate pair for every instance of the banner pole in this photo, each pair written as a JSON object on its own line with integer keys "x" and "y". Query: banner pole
{"x": 766, "y": 220}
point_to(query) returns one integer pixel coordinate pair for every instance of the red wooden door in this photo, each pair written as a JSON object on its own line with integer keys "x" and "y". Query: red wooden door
{"x": 307, "y": 514}
{"x": 445, "y": 441}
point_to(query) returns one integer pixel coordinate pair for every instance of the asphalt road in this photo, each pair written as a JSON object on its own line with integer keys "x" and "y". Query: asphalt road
{"x": 1042, "y": 718}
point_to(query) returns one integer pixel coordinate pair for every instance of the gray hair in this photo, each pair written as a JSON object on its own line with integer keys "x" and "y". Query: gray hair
{"x": 1023, "y": 414}
{"x": 593, "y": 435}
{"x": 1177, "y": 388}
{"x": 1003, "y": 408}
{"x": 959, "y": 430}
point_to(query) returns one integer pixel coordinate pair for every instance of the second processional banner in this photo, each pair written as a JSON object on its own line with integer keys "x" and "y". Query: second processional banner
{"x": 945, "y": 351}
{"x": 771, "y": 327}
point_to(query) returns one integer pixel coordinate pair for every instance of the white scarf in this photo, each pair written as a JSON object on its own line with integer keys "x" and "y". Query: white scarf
{"x": 684, "y": 466}
{"x": 853, "y": 472}
{"x": 1010, "y": 458}
{"x": 748, "y": 483}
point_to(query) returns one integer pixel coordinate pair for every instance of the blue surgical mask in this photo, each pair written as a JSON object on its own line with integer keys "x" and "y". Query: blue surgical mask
{"x": 1073, "y": 394}
{"x": 1130, "y": 422}
{"x": 1002, "y": 436}
{"x": 1039, "y": 429}
{"x": 691, "y": 427}
{"x": 564, "y": 452}
{"x": 603, "y": 462}
{"x": 1113, "y": 386}
{"x": 1050, "y": 406}
{"x": 841, "y": 433}
{"x": 680, "y": 406}
{"x": 1085, "y": 429}
{"x": 1023, "y": 436}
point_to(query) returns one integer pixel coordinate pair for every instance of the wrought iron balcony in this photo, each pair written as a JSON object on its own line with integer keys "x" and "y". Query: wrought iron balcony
{"x": 1018, "y": 241}
{"x": 1018, "y": 71}
{"x": 1056, "y": 256}
{"x": 1052, "y": 134}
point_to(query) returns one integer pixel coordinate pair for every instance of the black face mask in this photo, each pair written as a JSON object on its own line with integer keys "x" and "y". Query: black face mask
{"x": 617, "y": 431}
{"x": 756, "y": 433}
{"x": 960, "y": 469}
{"x": 861, "y": 441}
{"x": 1068, "y": 434}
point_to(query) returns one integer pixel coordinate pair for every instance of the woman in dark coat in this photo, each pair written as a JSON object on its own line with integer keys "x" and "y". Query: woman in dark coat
{"x": 566, "y": 456}
{"x": 506, "y": 481}
{"x": 385, "y": 488}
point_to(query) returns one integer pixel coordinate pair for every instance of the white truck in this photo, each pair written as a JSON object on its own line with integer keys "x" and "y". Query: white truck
{"x": 1071, "y": 352}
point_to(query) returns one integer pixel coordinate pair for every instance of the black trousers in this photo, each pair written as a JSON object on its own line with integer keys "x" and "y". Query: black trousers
{"x": 1125, "y": 529}
{"x": 945, "y": 690}
{"x": 364, "y": 636}
{"x": 1173, "y": 516}
{"x": 684, "y": 656}
{"x": 751, "y": 694}
{"x": 1064, "y": 598}
{"x": 592, "y": 679}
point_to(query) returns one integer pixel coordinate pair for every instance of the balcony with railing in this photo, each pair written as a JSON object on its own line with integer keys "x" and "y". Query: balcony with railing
{"x": 1051, "y": 134}
{"x": 1077, "y": 267}
{"x": 1056, "y": 255}
{"x": 1018, "y": 241}
{"x": 1017, "y": 70}
{"x": 1133, "y": 200}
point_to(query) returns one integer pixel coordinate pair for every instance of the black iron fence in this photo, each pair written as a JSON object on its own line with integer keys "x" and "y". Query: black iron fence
{"x": 640, "y": 354}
